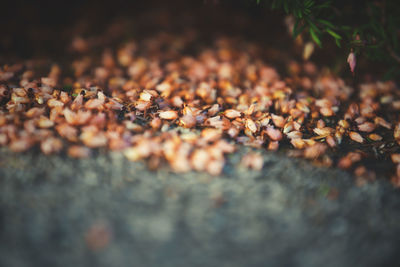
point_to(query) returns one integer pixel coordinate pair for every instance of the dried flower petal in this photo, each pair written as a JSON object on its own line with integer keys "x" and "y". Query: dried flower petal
{"x": 232, "y": 114}
{"x": 356, "y": 137}
{"x": 274, "y": 134}
{"x": 168, "y": 115}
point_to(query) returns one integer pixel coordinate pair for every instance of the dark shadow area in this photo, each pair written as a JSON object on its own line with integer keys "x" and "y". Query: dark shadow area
{"x": 32, "y": 29}
{"x": 38, "y": 28}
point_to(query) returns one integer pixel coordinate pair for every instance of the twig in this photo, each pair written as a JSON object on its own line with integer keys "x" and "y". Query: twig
{"x": 393, "y": 54}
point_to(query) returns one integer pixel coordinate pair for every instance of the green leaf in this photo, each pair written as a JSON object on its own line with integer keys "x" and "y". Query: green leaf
{"x": 274, "y": 4}
{"x": 324, "y": 5}
{"x": 297, "y": 30}
{"x": 286, "y": 6}
{"x": 315, "y": 37}
{"x": 313, "y": 26}
{"x": 327, "y": 23}
{"x": 300, "y": 15}
{"x": 337, "y": 41}
{"x": 309, "y": 3}
{"x": 334, "y": 34}
{"x": 345, "y": 28}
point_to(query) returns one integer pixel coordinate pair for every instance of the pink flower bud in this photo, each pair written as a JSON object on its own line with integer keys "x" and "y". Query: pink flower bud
{"x": 351, "y": 59}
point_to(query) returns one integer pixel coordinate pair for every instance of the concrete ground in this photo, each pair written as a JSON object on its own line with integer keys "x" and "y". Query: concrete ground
{"x": 107, "y": 211}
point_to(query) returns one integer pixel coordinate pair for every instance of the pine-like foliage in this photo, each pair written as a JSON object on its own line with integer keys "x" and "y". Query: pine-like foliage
{"x": 366, "y": 28}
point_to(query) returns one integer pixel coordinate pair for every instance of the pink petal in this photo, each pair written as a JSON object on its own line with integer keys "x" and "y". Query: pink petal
{"x": 351, "y": 59}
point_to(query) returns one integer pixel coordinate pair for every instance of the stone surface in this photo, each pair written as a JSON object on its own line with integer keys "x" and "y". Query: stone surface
{"x": 107, "y": 211}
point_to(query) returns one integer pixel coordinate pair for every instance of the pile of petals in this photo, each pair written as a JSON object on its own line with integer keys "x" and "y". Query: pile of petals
{"x": 153, "y": 101}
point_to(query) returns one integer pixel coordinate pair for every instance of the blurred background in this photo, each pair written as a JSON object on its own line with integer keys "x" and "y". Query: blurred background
{"x": 44, "y": 27}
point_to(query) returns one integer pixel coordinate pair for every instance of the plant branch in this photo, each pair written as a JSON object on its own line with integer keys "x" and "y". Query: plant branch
{"x": 393, "y": 54}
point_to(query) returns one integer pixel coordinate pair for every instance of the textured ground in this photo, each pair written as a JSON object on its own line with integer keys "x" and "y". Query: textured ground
{"x": 106, "y": 211}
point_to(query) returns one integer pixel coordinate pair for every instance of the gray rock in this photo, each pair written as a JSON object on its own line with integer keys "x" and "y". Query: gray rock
{"x": 281, "y": 216}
